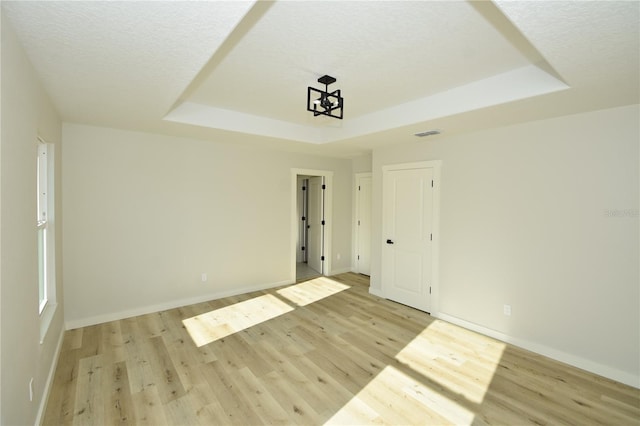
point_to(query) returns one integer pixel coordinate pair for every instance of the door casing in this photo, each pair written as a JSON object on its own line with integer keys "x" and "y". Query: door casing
{"x": 295, "y": 220}
{"x": 301, "y": 252}
{"x": 315, "y": 216}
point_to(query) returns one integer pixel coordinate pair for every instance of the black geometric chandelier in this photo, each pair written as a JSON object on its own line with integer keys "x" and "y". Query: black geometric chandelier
{"x": 324, "y": 102}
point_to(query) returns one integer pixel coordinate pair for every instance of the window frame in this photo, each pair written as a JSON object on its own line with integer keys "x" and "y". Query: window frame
{"x": 45, "y": 225}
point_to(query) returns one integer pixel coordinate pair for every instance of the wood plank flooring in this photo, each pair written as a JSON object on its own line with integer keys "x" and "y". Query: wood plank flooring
{"x": 322, "y": 351}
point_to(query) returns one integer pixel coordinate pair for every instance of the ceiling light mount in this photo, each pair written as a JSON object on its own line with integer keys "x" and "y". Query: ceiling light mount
{"x": 324, "y": 102}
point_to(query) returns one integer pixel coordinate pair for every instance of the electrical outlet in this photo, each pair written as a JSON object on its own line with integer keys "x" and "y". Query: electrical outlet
{"x": 204, "y": 277}
{"x": 507, "y": 310}
{"x": 31, "y": 389}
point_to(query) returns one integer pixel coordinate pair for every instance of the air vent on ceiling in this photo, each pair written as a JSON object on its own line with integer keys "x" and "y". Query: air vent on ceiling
{"x": 427, "y": 133}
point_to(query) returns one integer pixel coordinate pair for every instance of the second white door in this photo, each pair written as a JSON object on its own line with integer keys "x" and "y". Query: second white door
{"x": 363, "y": 225}
{"x": 408, "y": 235}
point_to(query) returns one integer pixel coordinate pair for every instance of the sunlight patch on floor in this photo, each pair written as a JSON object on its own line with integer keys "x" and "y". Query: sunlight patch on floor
{"x": 466, "y": 370}
{"x": 312, "y": 291}
{"x": 394, "y": 397}
{"x": 211, "y": 326}
{"x": 217, "y": 324}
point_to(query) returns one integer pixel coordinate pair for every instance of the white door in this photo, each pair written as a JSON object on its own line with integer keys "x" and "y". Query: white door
{"x": 408, "y": 235}
{"x": 363, "y": 225}
{"x": 301, "y": 249}
{"x": 314, "y": 223}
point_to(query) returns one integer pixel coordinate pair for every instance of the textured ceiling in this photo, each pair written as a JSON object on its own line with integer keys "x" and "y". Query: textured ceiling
{"x": 120, "y": 61}
{"x": 238, "y": 71}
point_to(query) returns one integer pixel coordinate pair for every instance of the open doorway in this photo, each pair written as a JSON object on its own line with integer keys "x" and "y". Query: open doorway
{"x": 310, "y": 246}
{"x": 311, "y": 223}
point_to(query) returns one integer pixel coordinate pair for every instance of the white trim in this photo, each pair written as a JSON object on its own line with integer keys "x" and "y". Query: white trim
{"x": 376, "y": 292}
{"x": 115, "y": 316}
{"x": 49, "y": 383}
{"x": 341, "y": 270}
{"x": 46, "y": 317}
{"x": 435, "y": 165}
{"x": 576, "y": 361}
{"x": 328, "y": 216}
{"x": 415, "y": 165}
{"x": 43, "y": 181}
{"x": 47, "y": 221}
{"x": 435, "y": 247}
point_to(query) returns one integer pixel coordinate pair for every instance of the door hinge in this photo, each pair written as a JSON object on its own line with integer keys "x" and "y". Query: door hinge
{"x": 302, "y": 248}
{"x": 358, "y": 187}
{"x": 429, "y": 289}
{"x": 358, "y": 223}
{"x": 430, "y": 237}
{"x": 304, "y": 188}
{"x": 432, "y": 183}
{"x": 322, "y": 258}
{"x": 322, "y": 223}
{"x": 324, "y": 186}
{"x": 358, "y": 257}
{"x": 304, "y": 218}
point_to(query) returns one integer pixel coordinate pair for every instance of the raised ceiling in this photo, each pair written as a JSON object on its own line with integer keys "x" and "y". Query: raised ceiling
{"x": 239, "y": 70}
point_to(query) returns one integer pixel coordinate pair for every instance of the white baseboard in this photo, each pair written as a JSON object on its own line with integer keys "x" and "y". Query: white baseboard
{"x": 115, "y": 316}
{"x": 47, "y": 386}
{"x": 341, "y": 271}
{"x": 376, "y": 292}
{"x": 576, "y": 361}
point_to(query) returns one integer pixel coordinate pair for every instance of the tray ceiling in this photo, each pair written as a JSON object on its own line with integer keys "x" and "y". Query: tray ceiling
{"x": 228, "y": 69}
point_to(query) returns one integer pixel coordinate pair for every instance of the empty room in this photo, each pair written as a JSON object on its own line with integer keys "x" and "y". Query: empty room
{"x": 320, "y": 212}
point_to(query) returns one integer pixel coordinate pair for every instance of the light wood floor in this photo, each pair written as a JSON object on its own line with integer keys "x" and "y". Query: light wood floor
{"x": 316, "y": 352}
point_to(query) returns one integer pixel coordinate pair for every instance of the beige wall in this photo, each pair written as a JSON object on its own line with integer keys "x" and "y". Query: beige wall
{"x": 362, "y": 164}
{"x": 26, "y": 114}
{"x": 542, "y": 216}
{"x": 145, "y": 215}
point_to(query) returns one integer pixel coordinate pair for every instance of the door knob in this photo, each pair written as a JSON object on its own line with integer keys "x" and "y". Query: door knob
{"x": 389, "y": 242}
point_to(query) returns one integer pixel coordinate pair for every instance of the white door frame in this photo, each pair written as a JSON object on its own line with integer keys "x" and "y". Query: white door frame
{"x": 301, "y": 255}
{"x": 328, "y": 217}
{"x": 314, "y": 248}
{"x": 435, "y": 247}
{"x": 356, "y": 210}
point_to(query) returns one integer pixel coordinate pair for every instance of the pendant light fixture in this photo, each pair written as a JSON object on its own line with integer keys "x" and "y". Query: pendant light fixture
{"x": 324, "y": 102}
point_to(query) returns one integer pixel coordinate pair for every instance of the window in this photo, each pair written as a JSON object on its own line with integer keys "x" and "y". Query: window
{"x": 46, "y": 235}
{"x": 42, "y": 221}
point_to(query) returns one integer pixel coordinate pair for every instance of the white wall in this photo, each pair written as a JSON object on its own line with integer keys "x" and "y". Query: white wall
{"x": 26, "y": 113}
{"x": 145, "y": 215}
{"x": 542, "y": 216}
